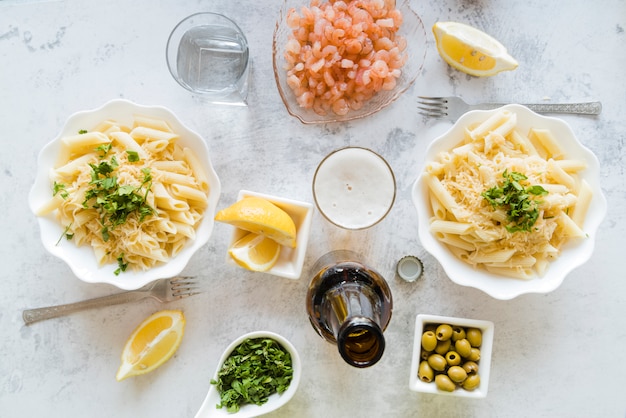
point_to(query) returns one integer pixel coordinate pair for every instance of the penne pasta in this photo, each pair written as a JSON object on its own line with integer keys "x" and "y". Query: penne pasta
{"x": 168, "y": 177}
{"x": 164, "y": 200}
{"x": 143, "y": 133}
{"x": 491, "y": 124}
{"x": 450, "y": 227}
{"x": 73, "y": 167}
{"x": 152, "y": 123}
{"x": 570, "y": 229}
{"x": 169, "y": 183}
{"x": 466, "y": 189}
{"x": 129, "y": 143}
{"x": 197, "y": 169}
{"x": 560, "y": 176}
{"x": 499, "y": 256}
{"x": 443, "y": 196}
{"x": 547, "y": 140}
{"x": 439, "y": 210}
{"x": 189, "y": 193}
{"x": 584, "y": 200}
{"x": 82, "y": 142}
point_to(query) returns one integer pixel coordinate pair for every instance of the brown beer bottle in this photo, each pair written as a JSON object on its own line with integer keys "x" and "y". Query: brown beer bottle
{"x": 349, "y": 305}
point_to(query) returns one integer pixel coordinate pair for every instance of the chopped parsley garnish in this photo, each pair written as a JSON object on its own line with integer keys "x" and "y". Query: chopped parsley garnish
{"x": 133, "y": 156}
{"x": 121, "y": 265}
{"x": 68, "y": 236}
{"x": 104, "y": 149}
{"x": 521, "y": 208}
{"x": 83, "y": 131}
{"x": 256, "y": 368}
{"x": 115, "y": 202}
{"x": 60, "y": 189}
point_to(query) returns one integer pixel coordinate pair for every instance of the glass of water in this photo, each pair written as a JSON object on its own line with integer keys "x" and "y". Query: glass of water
{"x": 207, "y": 54}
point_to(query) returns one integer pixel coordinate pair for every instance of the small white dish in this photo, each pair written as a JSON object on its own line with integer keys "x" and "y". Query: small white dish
{"x": 82, "y": 260}
{"x": 275, "y": 401}
{"x": 291, "y": 260}
{"x": 484, "y": 364}
{"x": 573, "y": 254}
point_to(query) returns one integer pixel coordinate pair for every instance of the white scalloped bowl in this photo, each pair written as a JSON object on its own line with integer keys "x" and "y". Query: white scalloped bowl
{"x": 82, "y": 260}
{"x": 573, "y": 254}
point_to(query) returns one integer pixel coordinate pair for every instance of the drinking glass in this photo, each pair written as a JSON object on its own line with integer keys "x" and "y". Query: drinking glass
{"x": 354, "y": 187}
{"x": 207, "y": 54}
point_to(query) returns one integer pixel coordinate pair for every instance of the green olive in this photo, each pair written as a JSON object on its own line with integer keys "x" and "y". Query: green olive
{"x": 453, "y": 358}
{"x": 472, "y": 382}
{"x": 425, "y": 372}
{"x": 458, "y": 333}
{"x": 424, "y": 354}
{"x": 474, "y": 354}
{"x": 457, "y": 374}
{"x": 444, "y": 332}
{"x": 475, "y": 337}
{"x": 443, "y": 347}
{"x": 470, "y": 367}
{"x": 443, "y": 382}
{"x": 463, "y": 347}
{"x": 437, "y": 362}
{"x": 429, "y": 341}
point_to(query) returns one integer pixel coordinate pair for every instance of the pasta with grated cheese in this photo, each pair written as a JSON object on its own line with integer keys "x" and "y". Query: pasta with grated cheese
{"x": 142, "y": 167}
{"x": 482, "y": 234}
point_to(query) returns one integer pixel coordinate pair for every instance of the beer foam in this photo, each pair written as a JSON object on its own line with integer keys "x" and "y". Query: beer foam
{"x": 354, "y": 188}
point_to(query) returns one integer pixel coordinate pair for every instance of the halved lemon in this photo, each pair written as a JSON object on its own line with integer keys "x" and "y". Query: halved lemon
{"x": 471, "y": 50}
{"x": 255, "y": 252}
{"x": 152, "y": 343}
{"x": 258, "y": 215}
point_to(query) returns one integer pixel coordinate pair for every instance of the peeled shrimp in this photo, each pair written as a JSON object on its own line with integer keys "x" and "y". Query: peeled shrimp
{"x": 341, "y": 53}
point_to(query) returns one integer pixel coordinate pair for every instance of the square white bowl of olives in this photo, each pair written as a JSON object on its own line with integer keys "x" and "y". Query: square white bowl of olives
{"x": 451, "y": 356}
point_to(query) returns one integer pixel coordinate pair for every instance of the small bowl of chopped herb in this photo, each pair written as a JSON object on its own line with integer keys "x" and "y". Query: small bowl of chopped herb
{"x": 509, "y": 201}
{"x": 125, "y": 194}
{"x": 258, "y": 373}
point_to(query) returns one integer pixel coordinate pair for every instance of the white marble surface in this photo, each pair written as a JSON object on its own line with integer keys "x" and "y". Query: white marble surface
{"x": 559, "y": 354}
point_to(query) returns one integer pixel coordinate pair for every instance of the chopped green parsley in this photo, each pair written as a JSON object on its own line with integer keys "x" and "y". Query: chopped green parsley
{"x": 256, "y": 368}
{"x": 518, "y": 200}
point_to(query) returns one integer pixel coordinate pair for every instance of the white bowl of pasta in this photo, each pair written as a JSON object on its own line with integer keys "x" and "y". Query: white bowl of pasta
{"x": 509, "y": 201}
{"x": 125, "y": 194}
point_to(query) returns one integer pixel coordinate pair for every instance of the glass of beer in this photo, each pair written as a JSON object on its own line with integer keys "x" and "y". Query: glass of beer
{"x": 354, "y": 188}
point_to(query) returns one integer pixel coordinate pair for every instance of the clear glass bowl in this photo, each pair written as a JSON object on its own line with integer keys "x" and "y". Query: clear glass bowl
{"x": 412, "y": 29}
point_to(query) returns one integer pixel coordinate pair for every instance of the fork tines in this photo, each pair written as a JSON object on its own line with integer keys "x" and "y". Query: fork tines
{"x": 433, "y": 106}
{"x": 184, "y": 286}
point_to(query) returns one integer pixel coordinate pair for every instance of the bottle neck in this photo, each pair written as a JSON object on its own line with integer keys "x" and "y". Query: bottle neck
{"x": 360, "y": 342}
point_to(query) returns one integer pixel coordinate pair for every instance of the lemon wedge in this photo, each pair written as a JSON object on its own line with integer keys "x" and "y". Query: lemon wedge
{"x": 255, "y": 252}
{"x": 470, "y": 50}
{"x": 152, "y": 343}
{"x": 258, "y": 215}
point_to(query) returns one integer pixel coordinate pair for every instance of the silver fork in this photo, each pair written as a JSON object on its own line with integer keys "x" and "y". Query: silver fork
{"x": 452, "y": 107}
{"x": 164, "y": 290}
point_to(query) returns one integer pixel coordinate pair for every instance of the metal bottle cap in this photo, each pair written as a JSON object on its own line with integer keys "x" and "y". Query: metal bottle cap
{"x": 410, "y": 268}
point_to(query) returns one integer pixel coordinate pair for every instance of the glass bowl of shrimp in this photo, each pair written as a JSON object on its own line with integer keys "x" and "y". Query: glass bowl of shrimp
{"x": 337, "y": 61}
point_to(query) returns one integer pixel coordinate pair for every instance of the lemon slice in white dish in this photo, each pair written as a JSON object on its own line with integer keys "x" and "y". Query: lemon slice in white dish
{"x": 255, "y": 252}
{"x": 258, "y": 215}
